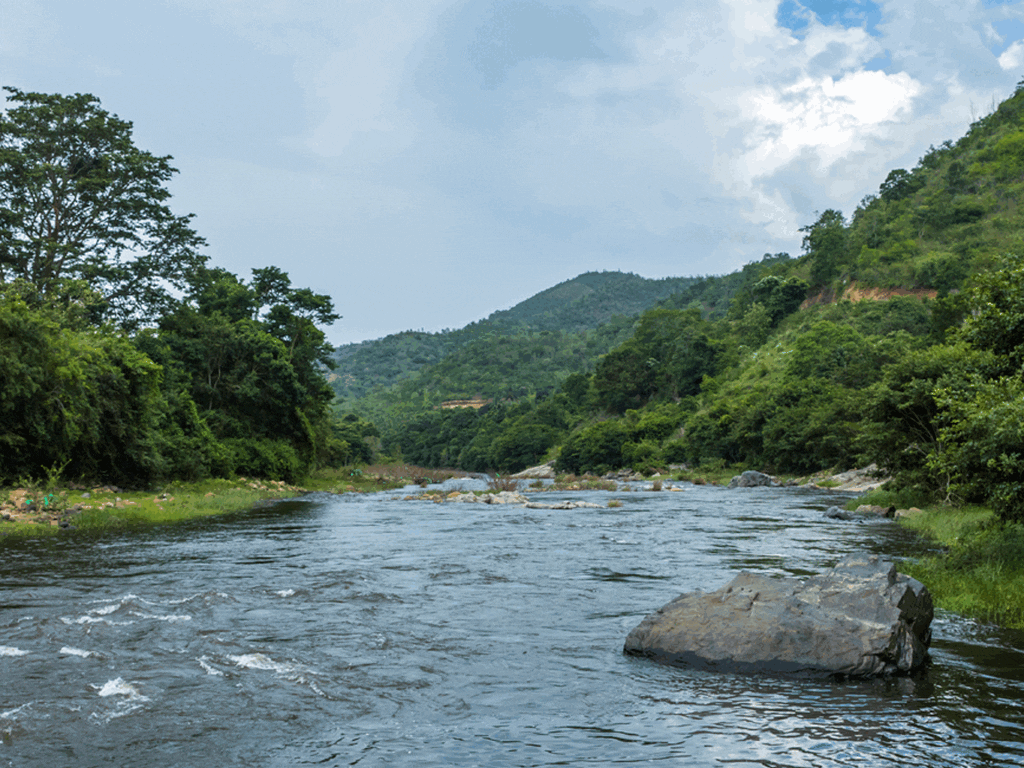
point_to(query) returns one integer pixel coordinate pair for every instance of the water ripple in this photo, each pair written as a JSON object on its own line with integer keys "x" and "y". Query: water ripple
{"x": 359, "y": 630}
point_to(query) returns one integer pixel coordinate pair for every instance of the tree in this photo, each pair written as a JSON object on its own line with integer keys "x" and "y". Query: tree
{"x": 779, "y": 296}
{"x": 80, "y": 202}
{"x": 668, "y": 356}
{"x": 981, "y": 443}
{"x": 996, "y": 322}
{"x": 85, "y": 401}
{"x": 825, "y": 243}
{"x": 900, "y": 184}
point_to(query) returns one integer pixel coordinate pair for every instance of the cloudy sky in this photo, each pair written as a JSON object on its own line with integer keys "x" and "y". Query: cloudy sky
{"x": 426, "y": 162}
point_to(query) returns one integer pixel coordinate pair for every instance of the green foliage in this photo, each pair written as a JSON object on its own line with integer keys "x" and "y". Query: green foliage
{"x": 983, "y": 444}
{"x": 755, "y": 326}
{"x": 900, "y": 184}
{"x": 597, "y": 448}
{"x": 981, "y": 440}
{"x": 83, "y": 399}
{"x": 997, "y": 320}
{"x": 901, "y": 428}
{"x": 670, "y": 353}
{"x": 262, "y": 457}
{"x": 79, "y": 201}
{"x": 944, "y": 272}
{"x": 982, "y": 572}
{"x": 826, "y": 244}
{"x": 779, "y": 296}
{"x": 521, "y": 446}
{"x": 350, "y": 440}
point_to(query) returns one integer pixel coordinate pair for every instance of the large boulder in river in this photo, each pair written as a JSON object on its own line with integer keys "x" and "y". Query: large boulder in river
{"x": 861, "y": 618}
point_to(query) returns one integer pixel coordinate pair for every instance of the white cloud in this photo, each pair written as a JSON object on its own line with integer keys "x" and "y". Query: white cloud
{"x": 1012, "y": 57}
{"x": 829, "y": 117}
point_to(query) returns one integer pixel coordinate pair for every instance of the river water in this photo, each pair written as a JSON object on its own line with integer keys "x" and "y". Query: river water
{"x": 367, "y": 630}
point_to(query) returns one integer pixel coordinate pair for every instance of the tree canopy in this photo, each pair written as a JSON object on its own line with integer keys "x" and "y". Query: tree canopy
{"x": 80, "y": 202}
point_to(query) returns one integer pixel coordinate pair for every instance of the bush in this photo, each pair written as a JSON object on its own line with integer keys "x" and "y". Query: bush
{"x": 267, "y": 459}
{"x": 983, "y": 444}
{"x": 597, "y": 448}
{"x": 642, "y": 456}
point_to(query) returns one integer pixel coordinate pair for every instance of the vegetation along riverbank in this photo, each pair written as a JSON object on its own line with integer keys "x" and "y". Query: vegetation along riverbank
{"x": 42, "y": 509}
{"x": 977, "y": 569}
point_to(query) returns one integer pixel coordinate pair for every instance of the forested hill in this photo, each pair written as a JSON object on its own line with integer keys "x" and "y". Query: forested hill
{"x": 588, "y": 300}
{"x": 573, "y": 306}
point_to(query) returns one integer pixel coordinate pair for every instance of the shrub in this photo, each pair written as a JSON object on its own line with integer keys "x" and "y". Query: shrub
{"x": 268, "y": 459}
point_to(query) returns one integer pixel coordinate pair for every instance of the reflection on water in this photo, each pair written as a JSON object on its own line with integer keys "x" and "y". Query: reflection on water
{"x": 366, "y": 630}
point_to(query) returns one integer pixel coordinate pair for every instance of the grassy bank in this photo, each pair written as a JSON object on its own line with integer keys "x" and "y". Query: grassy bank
{"x": 981, "y": 572}
{"x": 52, "y": 508}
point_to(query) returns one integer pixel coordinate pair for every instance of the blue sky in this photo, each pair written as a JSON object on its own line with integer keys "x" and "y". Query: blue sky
{"x": 428, "y": 162}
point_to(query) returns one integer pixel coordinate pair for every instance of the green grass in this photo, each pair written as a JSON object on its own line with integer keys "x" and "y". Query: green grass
{"x": 102, "y": 509}
{"x": 981, "y": 573}
{"x": 904, "y": 498}
{"x": 714, "y": 473}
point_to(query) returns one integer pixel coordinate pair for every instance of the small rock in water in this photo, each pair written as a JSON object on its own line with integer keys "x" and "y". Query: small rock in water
{"x": 838, "y": 513}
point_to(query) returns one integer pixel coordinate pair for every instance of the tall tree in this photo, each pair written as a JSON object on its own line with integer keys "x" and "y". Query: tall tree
{"x": 80, "y": 202}
{"x": 825, "y": 243}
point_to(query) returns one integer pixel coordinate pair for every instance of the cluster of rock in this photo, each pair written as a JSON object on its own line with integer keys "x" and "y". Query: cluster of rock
{"x": 855, "y": 480}
{"x": 25, "y": 506}
{"x": 861, "y": 618}
{"x": 505, "y": 497}
{"x": 752, "y": 479}
{"x": 624, "y": 476}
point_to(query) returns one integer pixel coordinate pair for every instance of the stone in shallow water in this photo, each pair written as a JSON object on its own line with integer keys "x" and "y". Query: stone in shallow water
{"x": 861, "y": 618}
{"x": 752, "y": 479}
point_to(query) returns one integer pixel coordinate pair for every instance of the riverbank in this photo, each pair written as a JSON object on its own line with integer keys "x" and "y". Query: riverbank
{"x": 54, "y": 508}
{"x": 29, "y": 511}
{"x": 977, "y": 569}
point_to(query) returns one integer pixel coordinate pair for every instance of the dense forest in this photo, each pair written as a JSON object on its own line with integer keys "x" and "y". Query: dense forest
{"x": 571, "y": 307}
{"x": 895, "y": 338}
{"x": 123, "y": 355}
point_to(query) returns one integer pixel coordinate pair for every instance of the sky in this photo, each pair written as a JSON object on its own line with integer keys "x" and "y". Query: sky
{"x": 427, "y": 162}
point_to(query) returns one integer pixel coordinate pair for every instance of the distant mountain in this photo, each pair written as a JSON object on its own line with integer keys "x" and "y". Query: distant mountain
{"x": 571, "y": 307}
{"x": 590, "y": 299}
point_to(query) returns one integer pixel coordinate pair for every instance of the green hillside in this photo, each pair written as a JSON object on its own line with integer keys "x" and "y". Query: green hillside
{"x": 589, "y": 300}
{"x": 574, "y": 307}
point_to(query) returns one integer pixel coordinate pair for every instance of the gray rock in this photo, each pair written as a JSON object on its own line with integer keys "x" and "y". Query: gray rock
{"x": 838, "y": 513}
{"x": 861, "y": 618}
{"x": 752, "y": 479}
{"x": 901, "y": 513}
{"x": 875, "y": 509}
{"x": 541, "y": 472}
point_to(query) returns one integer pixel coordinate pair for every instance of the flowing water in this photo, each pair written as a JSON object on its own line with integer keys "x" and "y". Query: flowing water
{"x": 367, "y": 630}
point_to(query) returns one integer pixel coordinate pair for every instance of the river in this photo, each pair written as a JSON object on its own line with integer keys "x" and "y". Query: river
{"x": 367, "y": 630}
